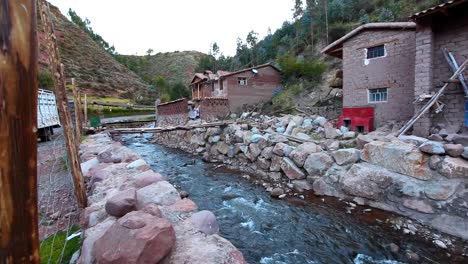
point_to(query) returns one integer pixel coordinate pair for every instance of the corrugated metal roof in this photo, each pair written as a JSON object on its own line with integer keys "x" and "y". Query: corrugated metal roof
{"x": 436, "y": 9}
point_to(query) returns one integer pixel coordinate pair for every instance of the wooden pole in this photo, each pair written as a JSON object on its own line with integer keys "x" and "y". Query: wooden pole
{"x": 78, "y": 122}
{"x": 86, "y": 109}
{"x": 19, "y": 236}
{"x": 64, "y": 112}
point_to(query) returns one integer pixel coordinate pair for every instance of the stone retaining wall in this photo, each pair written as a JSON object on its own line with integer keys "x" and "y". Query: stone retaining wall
{"x": 135, "y": 216}
{"x": 402, "y": 175}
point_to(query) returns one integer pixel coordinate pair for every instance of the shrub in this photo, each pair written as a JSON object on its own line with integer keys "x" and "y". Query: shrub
{"x": 310, "y": 70}
{"x": 46, "y": 79}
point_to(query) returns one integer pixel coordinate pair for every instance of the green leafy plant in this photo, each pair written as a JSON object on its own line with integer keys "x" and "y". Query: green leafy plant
{"x": 52, "y": 247}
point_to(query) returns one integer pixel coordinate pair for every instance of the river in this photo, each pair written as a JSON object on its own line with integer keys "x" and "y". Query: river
{"x": 268, "y": 230}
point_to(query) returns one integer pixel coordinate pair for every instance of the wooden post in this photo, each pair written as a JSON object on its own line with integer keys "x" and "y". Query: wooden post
{"x": 64, "y": 112}
{"x": 86, "y": 109}
{"x": 19, "y": 236}
{"x": 78, "y": 123}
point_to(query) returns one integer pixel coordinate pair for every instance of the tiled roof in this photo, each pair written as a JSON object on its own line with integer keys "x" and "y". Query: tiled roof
{"x": 437, "y": 8}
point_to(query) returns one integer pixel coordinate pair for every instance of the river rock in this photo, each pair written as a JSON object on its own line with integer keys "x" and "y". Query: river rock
{"x": 450, "y": 224}
{"x": 320, "y": 121}
{"x": 460, "y": 139}
{"x": 121, "y": 203}
{"x": 434, "y": 161}
{"x": 346, "y": 156}
{"x": 267, "y": 152}
{"x": 432, "y": 147}
{"x": 153, "y": 210}
{"x": 398, "y": 157}
{"x": 276, "y": 138}
{"x": 318, "y": 163}
{"x": 303, "y": 136}
{"x": 291, "y": 170}
{"x": 290, "y": 128}
{"x": 147, "y": 178}
{"x": 213, "y": 131}
{"x": 160, "y": 193}
{"x": 436, "y": 137}
{"x": 263, "y": 163}
{"x": 275, "y": 176}
{"x": 362, "y": 140}
{"x": 301, "y": 186}
{"x": 137, "y": 237}
{"x": 247, "y": 137}
{"x": 205, "y": 221}
{"x": 418, "y": 205}
{"x": 221, "y": 147}
{"x": 91, "y": 235}
{"x": 349, "y": 135}
{"x": 182, "y": 206}
{"x": 465, "y": 153}
{"x": 276, "y": 163}
{"x": 454, "y": 168}
{"x": 300, "y": 154}
{"x": 280, "y": 130}
{"x": 137, "y": 164}
{"x": 198, "y": 139}
{"x": 367, "y": 181}
{"x": 214, "y": 139}
{"x": 331, "y": 132}
{"x": 454, "y": 150}
{"x": 255, "y": 150}
{"x": 441, "y": 190}
{"x": 282, "y": 149}
{"x": 88, "y": 165}
{"x": 256, "y": 138}
{"x": 415, "y": 140}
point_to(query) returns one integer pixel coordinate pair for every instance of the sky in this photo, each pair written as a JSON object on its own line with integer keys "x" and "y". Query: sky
{"x": 135, "y": 26}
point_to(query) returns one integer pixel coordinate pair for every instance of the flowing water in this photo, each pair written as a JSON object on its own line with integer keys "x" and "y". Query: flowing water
{"x": 267, "y": 230}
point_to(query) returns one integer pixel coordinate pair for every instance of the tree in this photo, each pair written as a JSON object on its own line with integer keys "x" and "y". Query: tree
{"x": 252, "y": 39}
{"x": 310, "y": 9}
{"x": 214, "y": 51}
{"x": 149, "y": 52}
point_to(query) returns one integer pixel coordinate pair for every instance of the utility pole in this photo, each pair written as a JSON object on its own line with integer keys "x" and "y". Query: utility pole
{"x": 19, "y": 236}
{"x": 57, "y": 70}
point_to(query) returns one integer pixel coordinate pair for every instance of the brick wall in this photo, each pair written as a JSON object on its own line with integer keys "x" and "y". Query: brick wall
{"x": 450, "y": 33}
{"x": 214, "y": 108}
{"x": 173, "y": 113}
{"x": 395, "y": 71}
{"x": 259, "y": 87}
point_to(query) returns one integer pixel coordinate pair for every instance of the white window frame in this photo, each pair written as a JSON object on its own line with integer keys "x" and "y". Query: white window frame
{"x": 377, "y": 102}
{"x": 242, "y": 81}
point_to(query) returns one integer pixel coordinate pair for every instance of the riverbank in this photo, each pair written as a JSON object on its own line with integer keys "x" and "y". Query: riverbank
{"x": 134, "y": 209}
{"x": 380, "y": 171}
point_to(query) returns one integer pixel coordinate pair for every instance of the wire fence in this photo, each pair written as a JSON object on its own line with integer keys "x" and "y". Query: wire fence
{"x": 58, "y": 208}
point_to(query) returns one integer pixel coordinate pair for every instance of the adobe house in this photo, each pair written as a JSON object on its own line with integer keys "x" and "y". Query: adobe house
{"x": 245, "y": 87}
{"x": 378, "y": 73}
{"x": 386, "y": 66}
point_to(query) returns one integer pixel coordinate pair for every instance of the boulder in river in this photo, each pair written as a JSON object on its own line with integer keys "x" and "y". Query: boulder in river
{"x": 205, "y": 221}
{"x": 121, "y": 203}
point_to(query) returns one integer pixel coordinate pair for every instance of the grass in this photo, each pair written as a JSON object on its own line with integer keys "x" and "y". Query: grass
{"x": 52, "y": 248}
{"x": 106, "y": 111}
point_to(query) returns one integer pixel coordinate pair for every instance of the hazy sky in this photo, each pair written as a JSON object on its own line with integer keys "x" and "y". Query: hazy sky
{"x": 169, "y": 25}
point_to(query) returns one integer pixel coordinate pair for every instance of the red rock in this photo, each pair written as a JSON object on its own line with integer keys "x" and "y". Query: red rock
{"x": 147, "y": 178}
{"x": 122, "y": 203}
{"x": 183, "y": 206}
{"x": 137, "y": 237}
{"x": 205, "y": 221}
{"x": 153, "y": 210}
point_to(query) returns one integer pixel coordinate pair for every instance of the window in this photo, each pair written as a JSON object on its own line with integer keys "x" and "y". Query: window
{"x": 242, "y": 81}
{"x": 375, "y": 52}
{"x": 212, "y": 86}
{"x": 378, "y": 95}
{"x": 221, "y": 85}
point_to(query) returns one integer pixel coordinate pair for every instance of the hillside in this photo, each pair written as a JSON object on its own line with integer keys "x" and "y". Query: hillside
{"x": 174, "y": 67}
{"x": 95, "y": 70}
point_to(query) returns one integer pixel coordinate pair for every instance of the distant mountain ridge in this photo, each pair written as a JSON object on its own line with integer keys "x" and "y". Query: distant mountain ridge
{"x": 96, "y": 71}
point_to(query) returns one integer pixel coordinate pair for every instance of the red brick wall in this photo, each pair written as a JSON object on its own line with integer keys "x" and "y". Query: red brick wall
{"x": 173, "y": 113}
{"x": 395, "y": 71}
{"x": 214, "y": 108}
{"x": 259, "y": 87}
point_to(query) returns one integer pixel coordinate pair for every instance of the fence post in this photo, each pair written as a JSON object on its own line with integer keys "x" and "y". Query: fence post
{"x": 78, "y": 122}
{"x": 86, "y": 109}
{"x": 19, "y": 236}
{"x": 57, "y": 70}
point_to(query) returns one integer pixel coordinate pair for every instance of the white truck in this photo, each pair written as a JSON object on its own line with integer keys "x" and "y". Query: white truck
{"x": 47, "y": 114}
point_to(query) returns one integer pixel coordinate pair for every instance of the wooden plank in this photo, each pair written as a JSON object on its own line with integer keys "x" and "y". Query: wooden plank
{"x": 19, "y": 236}
{"x": 64, "y": 112}
{"x": 454, "y": 66}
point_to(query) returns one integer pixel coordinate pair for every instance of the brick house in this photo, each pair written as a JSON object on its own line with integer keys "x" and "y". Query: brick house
{"x": 386, "y": 66}
{"x": 245, "y": 87}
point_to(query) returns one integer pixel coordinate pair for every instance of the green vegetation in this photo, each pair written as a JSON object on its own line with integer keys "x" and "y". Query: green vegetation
{"x": 294, "y": 68}
{"x": 107, "y": 111}
{"x": 46, "y": 80}
{"x": 53, "y": 246}
{"x": 85, "y": 25}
